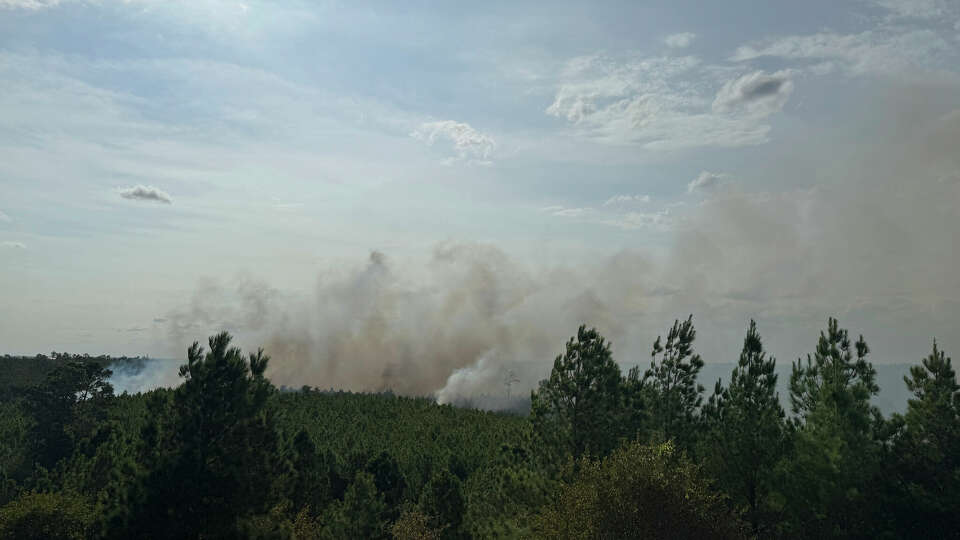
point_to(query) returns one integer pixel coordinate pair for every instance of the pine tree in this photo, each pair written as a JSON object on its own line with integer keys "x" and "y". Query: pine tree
{"x": 747, "y": 430}
{"x": 210, "y": 457}
{"x": 360, "y": 514}
{"x": 67, "y": 407}
{"x": 836, "y": 445}
{"x": 927, "y": 451}
{"x": 671, "y": 384}
{"x": 443, "y": 500}
{"x": 578, "y": 407}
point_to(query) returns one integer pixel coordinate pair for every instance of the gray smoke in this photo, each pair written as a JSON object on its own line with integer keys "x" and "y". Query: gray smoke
{"x": 470, "y": 322}
{"x": 874, "y": 241}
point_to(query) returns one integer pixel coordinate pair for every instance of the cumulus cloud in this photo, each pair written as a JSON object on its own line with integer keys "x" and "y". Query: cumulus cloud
{"x": 706, "y": 181}
{"x": 658, "y": 103}
{"x": 756, "y": 93}
{"x": 626, "y": 199}
{"x": 13, "y": 245}
{"x": 145, "y": 193}
{"x": 679, "y": 41}
{"x": 4, "y": 218}
{"x": 469, "y": 144}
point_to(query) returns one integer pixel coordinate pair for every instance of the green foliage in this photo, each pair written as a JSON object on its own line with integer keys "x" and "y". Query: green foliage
{"x": 67, "y": 407}
{"x": 443, "y": 500}
{"x": 209, "y": 458}
{"x": 578, "y": 407}
{"x": 671, "y": 384}
{"x": 639, "y": 491}
{"x": 46, "y": 516}
{"x": 836, "y": 444}
{"x": 746, "y": 432}
{"x": 414, "y": 525}
{"x": 225, "y": 455}
{"x": 926, "y": 452}
{"x": 16, "y": 463}
{"x": 502, "y": 497}
{"x": 306, "y": 480}
{"x": 360, "y": 514}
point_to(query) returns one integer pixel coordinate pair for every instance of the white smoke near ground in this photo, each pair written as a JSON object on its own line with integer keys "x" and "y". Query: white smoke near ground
{"x": 138, "y": 376}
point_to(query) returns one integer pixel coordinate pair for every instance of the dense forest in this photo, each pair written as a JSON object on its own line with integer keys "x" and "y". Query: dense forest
{"x": 650, "y": 453}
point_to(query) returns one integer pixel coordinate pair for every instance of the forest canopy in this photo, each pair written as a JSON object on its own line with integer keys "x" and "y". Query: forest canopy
{"x": 646, "y": 453}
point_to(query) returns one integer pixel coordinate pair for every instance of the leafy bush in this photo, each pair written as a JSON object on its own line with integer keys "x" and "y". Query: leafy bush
{"x": 49, "y": 516}
{"x": 640, "y": 491}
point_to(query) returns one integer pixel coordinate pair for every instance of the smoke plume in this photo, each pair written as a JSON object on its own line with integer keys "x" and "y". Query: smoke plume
{"x": 872, "y": 240}
{"x": 475, "y": 322}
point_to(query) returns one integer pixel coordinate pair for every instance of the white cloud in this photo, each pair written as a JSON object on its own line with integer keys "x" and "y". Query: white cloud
{"x": 612, "y": 215}
{"x": 13, "y": 245}
{"x": 915, "y": 9}
{"x": 679, "y": 41}
{"x": 658, "y": 103}
{"x": 756, "y": 93}
{"x": 886, "y": 51}
{"x": 28, "y": 4}
{"x": 626, "y": 199}
{"x": 706, "y": 181}
{"x": 145, "y": 193}
{"x": 661, "y": 220}
{"x": 4, "y": 218}
{"x": 469, "y": 145}
{"x": 562, "y": 211}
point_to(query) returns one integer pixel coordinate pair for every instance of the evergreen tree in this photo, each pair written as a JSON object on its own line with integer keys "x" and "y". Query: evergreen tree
{"x": 746, "y": 436}
{"x": 213, "y": 456}
{"x": 360, "y": 514}
{"x": 836, "y": 445}
{"x": 443, "y": 500}
{"x": 927, "y": 451}
{"x": 67, "y": 407}
{"x": 579, "y": 406}
{"x": 671, "y": 384}
{"x": 307, "y": 481}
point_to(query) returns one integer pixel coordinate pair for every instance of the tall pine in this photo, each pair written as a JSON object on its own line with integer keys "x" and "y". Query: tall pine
{"x": 671, "y": 384}
{"x": 210, "y": 455}
{"x": 746, "y": 431}
{"x": 578, "y": 407}
{"x": 836, "y": 444}
{"x": 926, "y": 452}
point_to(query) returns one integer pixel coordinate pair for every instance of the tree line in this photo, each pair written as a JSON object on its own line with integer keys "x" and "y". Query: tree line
{"x": 603, "y": 454}
{"x": 833, "y": 468}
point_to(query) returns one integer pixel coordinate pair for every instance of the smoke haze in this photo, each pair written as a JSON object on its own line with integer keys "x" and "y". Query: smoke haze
{"x": 872, "y": 241}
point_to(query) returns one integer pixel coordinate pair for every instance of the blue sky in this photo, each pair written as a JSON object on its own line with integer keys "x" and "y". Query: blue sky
{"x": 779, "y": 160}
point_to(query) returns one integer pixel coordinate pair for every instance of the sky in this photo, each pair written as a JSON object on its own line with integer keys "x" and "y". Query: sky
{"x": 433, "y": 196}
